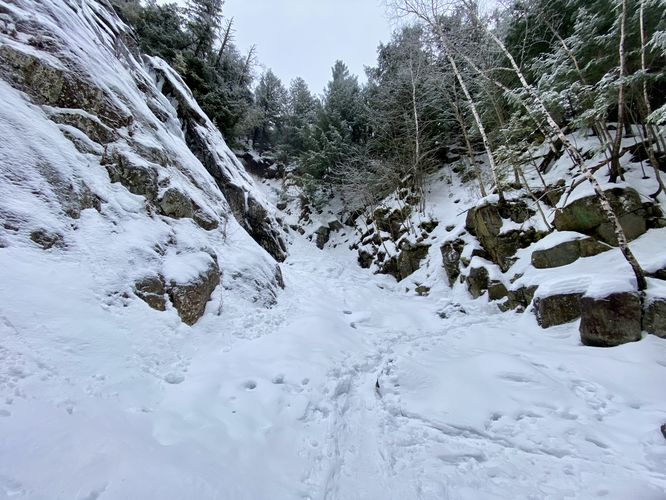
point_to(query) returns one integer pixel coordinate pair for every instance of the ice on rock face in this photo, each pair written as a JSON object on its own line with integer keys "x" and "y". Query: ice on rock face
{"x": 94, "y": 161}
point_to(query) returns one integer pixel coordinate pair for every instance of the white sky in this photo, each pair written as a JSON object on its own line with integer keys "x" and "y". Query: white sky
{"x": 305, "y": 37}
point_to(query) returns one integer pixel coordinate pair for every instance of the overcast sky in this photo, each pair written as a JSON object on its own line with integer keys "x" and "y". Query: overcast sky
{"x": 305, "y": 37}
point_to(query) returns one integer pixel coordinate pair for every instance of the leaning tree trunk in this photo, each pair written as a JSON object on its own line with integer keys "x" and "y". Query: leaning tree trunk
{"x": 468, "y": 145}
{"x": 476, "y": 115}
{"x": 226, "y": 39}
{"x": 648, "y": 109}
{"x": 616, "y": 168}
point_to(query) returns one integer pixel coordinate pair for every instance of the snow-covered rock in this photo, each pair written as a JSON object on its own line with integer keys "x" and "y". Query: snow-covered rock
{"x": 107, "y": 160}
{"x": 247, "y": 203}
{"x": 610, "y": 320}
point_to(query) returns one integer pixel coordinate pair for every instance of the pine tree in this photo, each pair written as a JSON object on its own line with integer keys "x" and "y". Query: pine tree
{"x": 204, "y": 21}
{"x": 300, "y": 120}
{"x": 343, "y": 105}
{"x": 270, "y": 98}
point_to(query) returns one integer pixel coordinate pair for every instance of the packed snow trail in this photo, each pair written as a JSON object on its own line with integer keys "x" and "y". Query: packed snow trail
{"x": 347, "y": 389}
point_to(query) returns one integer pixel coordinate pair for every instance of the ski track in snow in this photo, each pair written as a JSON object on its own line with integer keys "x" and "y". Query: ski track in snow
{"x": 347, "y": 389}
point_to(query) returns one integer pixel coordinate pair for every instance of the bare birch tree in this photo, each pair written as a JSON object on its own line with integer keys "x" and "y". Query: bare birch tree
{"x": 430, "y": 12}
{"x": 576, "y": 155}
{"x": 649, "y": 130}
{"x": 616, "y": 168}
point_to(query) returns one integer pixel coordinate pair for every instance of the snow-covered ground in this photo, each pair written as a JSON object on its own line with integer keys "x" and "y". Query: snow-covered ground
{"x": 347, "y": 389}
{"x": 351, "y": 387}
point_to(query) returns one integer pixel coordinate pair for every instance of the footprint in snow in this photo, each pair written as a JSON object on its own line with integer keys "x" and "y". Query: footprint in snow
{"x": 11, "y": 487}
{"x": 250, "y": 385}
{"x": 174, "y": 378}
{"x": 519, "y": 378}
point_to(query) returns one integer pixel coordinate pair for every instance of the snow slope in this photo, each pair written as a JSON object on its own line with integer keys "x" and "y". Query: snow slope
{"x": 448, "y": 200}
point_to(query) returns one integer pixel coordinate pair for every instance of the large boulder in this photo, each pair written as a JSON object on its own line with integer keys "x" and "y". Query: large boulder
{"x": 654, "y": 317}
{"x": 483, "y": 276}
{"x": 322, "y": 235}
{"x": 557, "y": 309}
{"x": 485, "y": 222}
{"x": 611, "y": 320}
{"x": 193, "y": 278}
{"x": 176, "y": 204}
{"x": 190, "y": 294}
{"x": 477, "y": 281}
{"x": 152, "y": 290}
{"x": 497, "y": 290}
{"x": 410, "y": 257}
{"x": 451, "y": 252}
{"x": 586, "y": 216}
{"x": 567, "y": 252}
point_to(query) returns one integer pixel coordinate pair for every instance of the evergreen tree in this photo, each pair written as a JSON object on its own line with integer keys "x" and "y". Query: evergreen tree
{"x": 341, "y": 126}
{"x": 343, "y": 106}
{"x": 159, "y": 27}
{"x": 204, "y": 21}
{"x": 302, "y": 105}
{"x": 270, "y": 99}
{"x": 302, "y": 111}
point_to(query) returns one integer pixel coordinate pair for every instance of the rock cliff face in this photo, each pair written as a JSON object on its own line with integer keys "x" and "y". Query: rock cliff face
{"x": 107, "y": 158}
{"x": 207, "y": 144}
